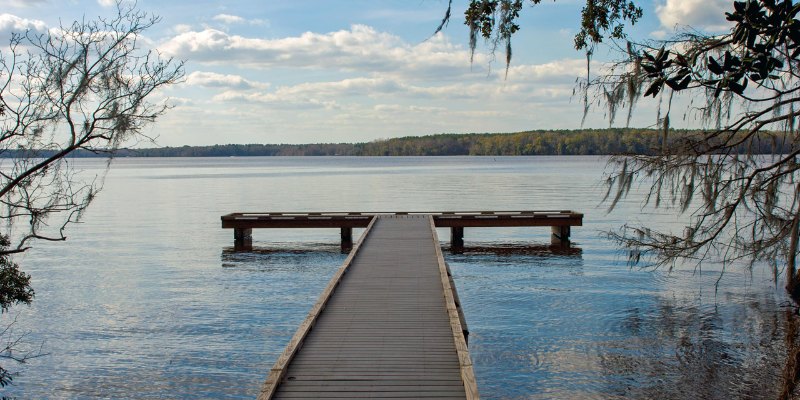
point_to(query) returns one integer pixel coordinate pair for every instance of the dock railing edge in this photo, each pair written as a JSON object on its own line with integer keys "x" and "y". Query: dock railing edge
{"x": 278, "y": 370}
{"x": 464, "y": 361}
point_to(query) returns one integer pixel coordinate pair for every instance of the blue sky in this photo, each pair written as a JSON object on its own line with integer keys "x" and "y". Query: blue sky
{"x": 346, "y": 71}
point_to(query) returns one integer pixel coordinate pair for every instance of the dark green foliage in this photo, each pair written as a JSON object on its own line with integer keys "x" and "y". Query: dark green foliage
{"x": 754, "y": 51}
{"x": 15, "y": 285}
{"x": 540, "y": 142}
{"x": 605, "y": 17}
{"x": 5, "y": 379}
{"x": 15, "y": 288}
{"x": 740, "y": 191}
{"x": 496, "y": 22}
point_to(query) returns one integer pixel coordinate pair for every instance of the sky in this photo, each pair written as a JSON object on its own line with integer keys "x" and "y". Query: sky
{"x": 356, "y": 70}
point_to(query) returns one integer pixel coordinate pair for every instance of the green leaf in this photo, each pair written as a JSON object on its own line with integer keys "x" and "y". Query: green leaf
{"x": 654, "y": 88}
{"x": 673, "y": 84}
{"x": 685, "y": 82}
{"x": 736, "y": 87}
{"x": 713, "y": 66}
{"x": 661, "y": 55}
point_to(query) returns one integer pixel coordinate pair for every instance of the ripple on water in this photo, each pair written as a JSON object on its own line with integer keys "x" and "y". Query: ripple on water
{"x": 611, "y": 331}
{"x": 163, "y": 309}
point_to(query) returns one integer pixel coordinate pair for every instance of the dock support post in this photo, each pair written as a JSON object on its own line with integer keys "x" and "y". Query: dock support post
{"x": 457, "y": 238}
{"x": 347, "y": 239}
{"x": 560, "y": 235}
{"x": 243, "y": 239}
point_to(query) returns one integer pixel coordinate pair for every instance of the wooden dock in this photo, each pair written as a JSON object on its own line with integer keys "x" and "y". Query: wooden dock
{"x": 387, "y": 325}
{"x": 560, "y": 222}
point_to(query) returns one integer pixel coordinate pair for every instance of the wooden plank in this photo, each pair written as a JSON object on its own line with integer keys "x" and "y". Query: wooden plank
{"x": 396, "y": 213}
{"x": 386, "y": 330}
{"x": 365, "y": 395}
{"x": 376, "y": 377}
{"x": 442, "y": 219}
{"x": 279, "y": 369}
{"x": 408, "y": 389}
{"x": 467, "y": 373}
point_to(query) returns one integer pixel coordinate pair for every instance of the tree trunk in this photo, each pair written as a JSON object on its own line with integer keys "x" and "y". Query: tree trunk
{"x": 792, "y": 366}
{"x": 792, "y": 279}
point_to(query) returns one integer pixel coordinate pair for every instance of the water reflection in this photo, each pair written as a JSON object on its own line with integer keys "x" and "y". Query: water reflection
{"x": 518, "y": 249}
{"x": 578, "y": 331}
{"x": 232, "y": 253}
{"x": 138, "y": 303}
{"x": 678, "y": 349}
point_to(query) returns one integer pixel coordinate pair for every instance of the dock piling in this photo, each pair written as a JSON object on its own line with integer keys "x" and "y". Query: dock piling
{"x": 243, "y": 239}
{"x": 457, "y": 237}
{"x": 393, "y": 325}
{"x": 347, "y": 239}
{"x": 560, "y": 235}
{"x": 559, "y": 220}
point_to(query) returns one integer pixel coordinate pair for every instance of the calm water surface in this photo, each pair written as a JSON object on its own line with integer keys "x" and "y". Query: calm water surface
{"x": 147, "y": 300}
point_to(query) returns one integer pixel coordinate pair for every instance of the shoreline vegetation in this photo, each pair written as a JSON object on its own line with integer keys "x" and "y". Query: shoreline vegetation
{"x": 609, "y": 141}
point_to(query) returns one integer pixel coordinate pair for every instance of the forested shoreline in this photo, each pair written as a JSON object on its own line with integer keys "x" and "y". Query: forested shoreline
{"x": 539, "y": 142}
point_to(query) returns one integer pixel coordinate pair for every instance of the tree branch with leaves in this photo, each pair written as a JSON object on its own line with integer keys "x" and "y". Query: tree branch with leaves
{"x": 82, "y": 86}
{"x": 496, "y": 22}
{"x": 743, "y": 205}
{"x": 743, "y": 89}
{"x": 89, "y": 86}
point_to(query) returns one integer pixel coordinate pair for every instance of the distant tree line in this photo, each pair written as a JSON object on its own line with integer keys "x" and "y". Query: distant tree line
{"x": 611, "y": 141}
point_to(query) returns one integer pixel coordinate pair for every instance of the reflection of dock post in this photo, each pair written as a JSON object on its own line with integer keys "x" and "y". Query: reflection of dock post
{"x": 560, "y": 235}
{"x": 457, "y": 239}
{"x": 243, "y": 239}
{"x": 347, "y": 239}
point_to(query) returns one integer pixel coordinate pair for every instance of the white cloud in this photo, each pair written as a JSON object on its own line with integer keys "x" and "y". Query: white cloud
{"x": 395, "y": 108}
{"x": 215, "y": 80}
{"x": 274, "y": 101}
{"x": 320, "y": 94}
{"x": 561, "y": 70}
{"x": 14, "y": 23}
{"x": 359, "y": 81}
{"x": 181, "y": 101}
{"x": 383, "y": 90}
{"x": 345, "y": 87}
{"x": 701, "y": 14}
{"x": 659, "y": 34}
{"x": 24, "y": 3}
{"x": 361, "y": 48}
{"x": 228, "y": 19}
{"x": 182, "y": 28}
{"x": 107, "y": 3}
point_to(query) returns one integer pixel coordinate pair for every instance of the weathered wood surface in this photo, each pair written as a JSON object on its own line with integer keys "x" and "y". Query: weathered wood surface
{"x": 457, "y": 328}
{"x": 441, "y": 219}
{"x": 390, "y": 329}
{"x": 278, "y": 371}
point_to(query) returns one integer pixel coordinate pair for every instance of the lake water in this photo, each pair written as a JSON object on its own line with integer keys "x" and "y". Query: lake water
{"x": 147, "y": 300}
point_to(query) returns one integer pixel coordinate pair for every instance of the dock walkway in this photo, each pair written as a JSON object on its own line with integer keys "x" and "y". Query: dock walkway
{"x": 385, "y": 327}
